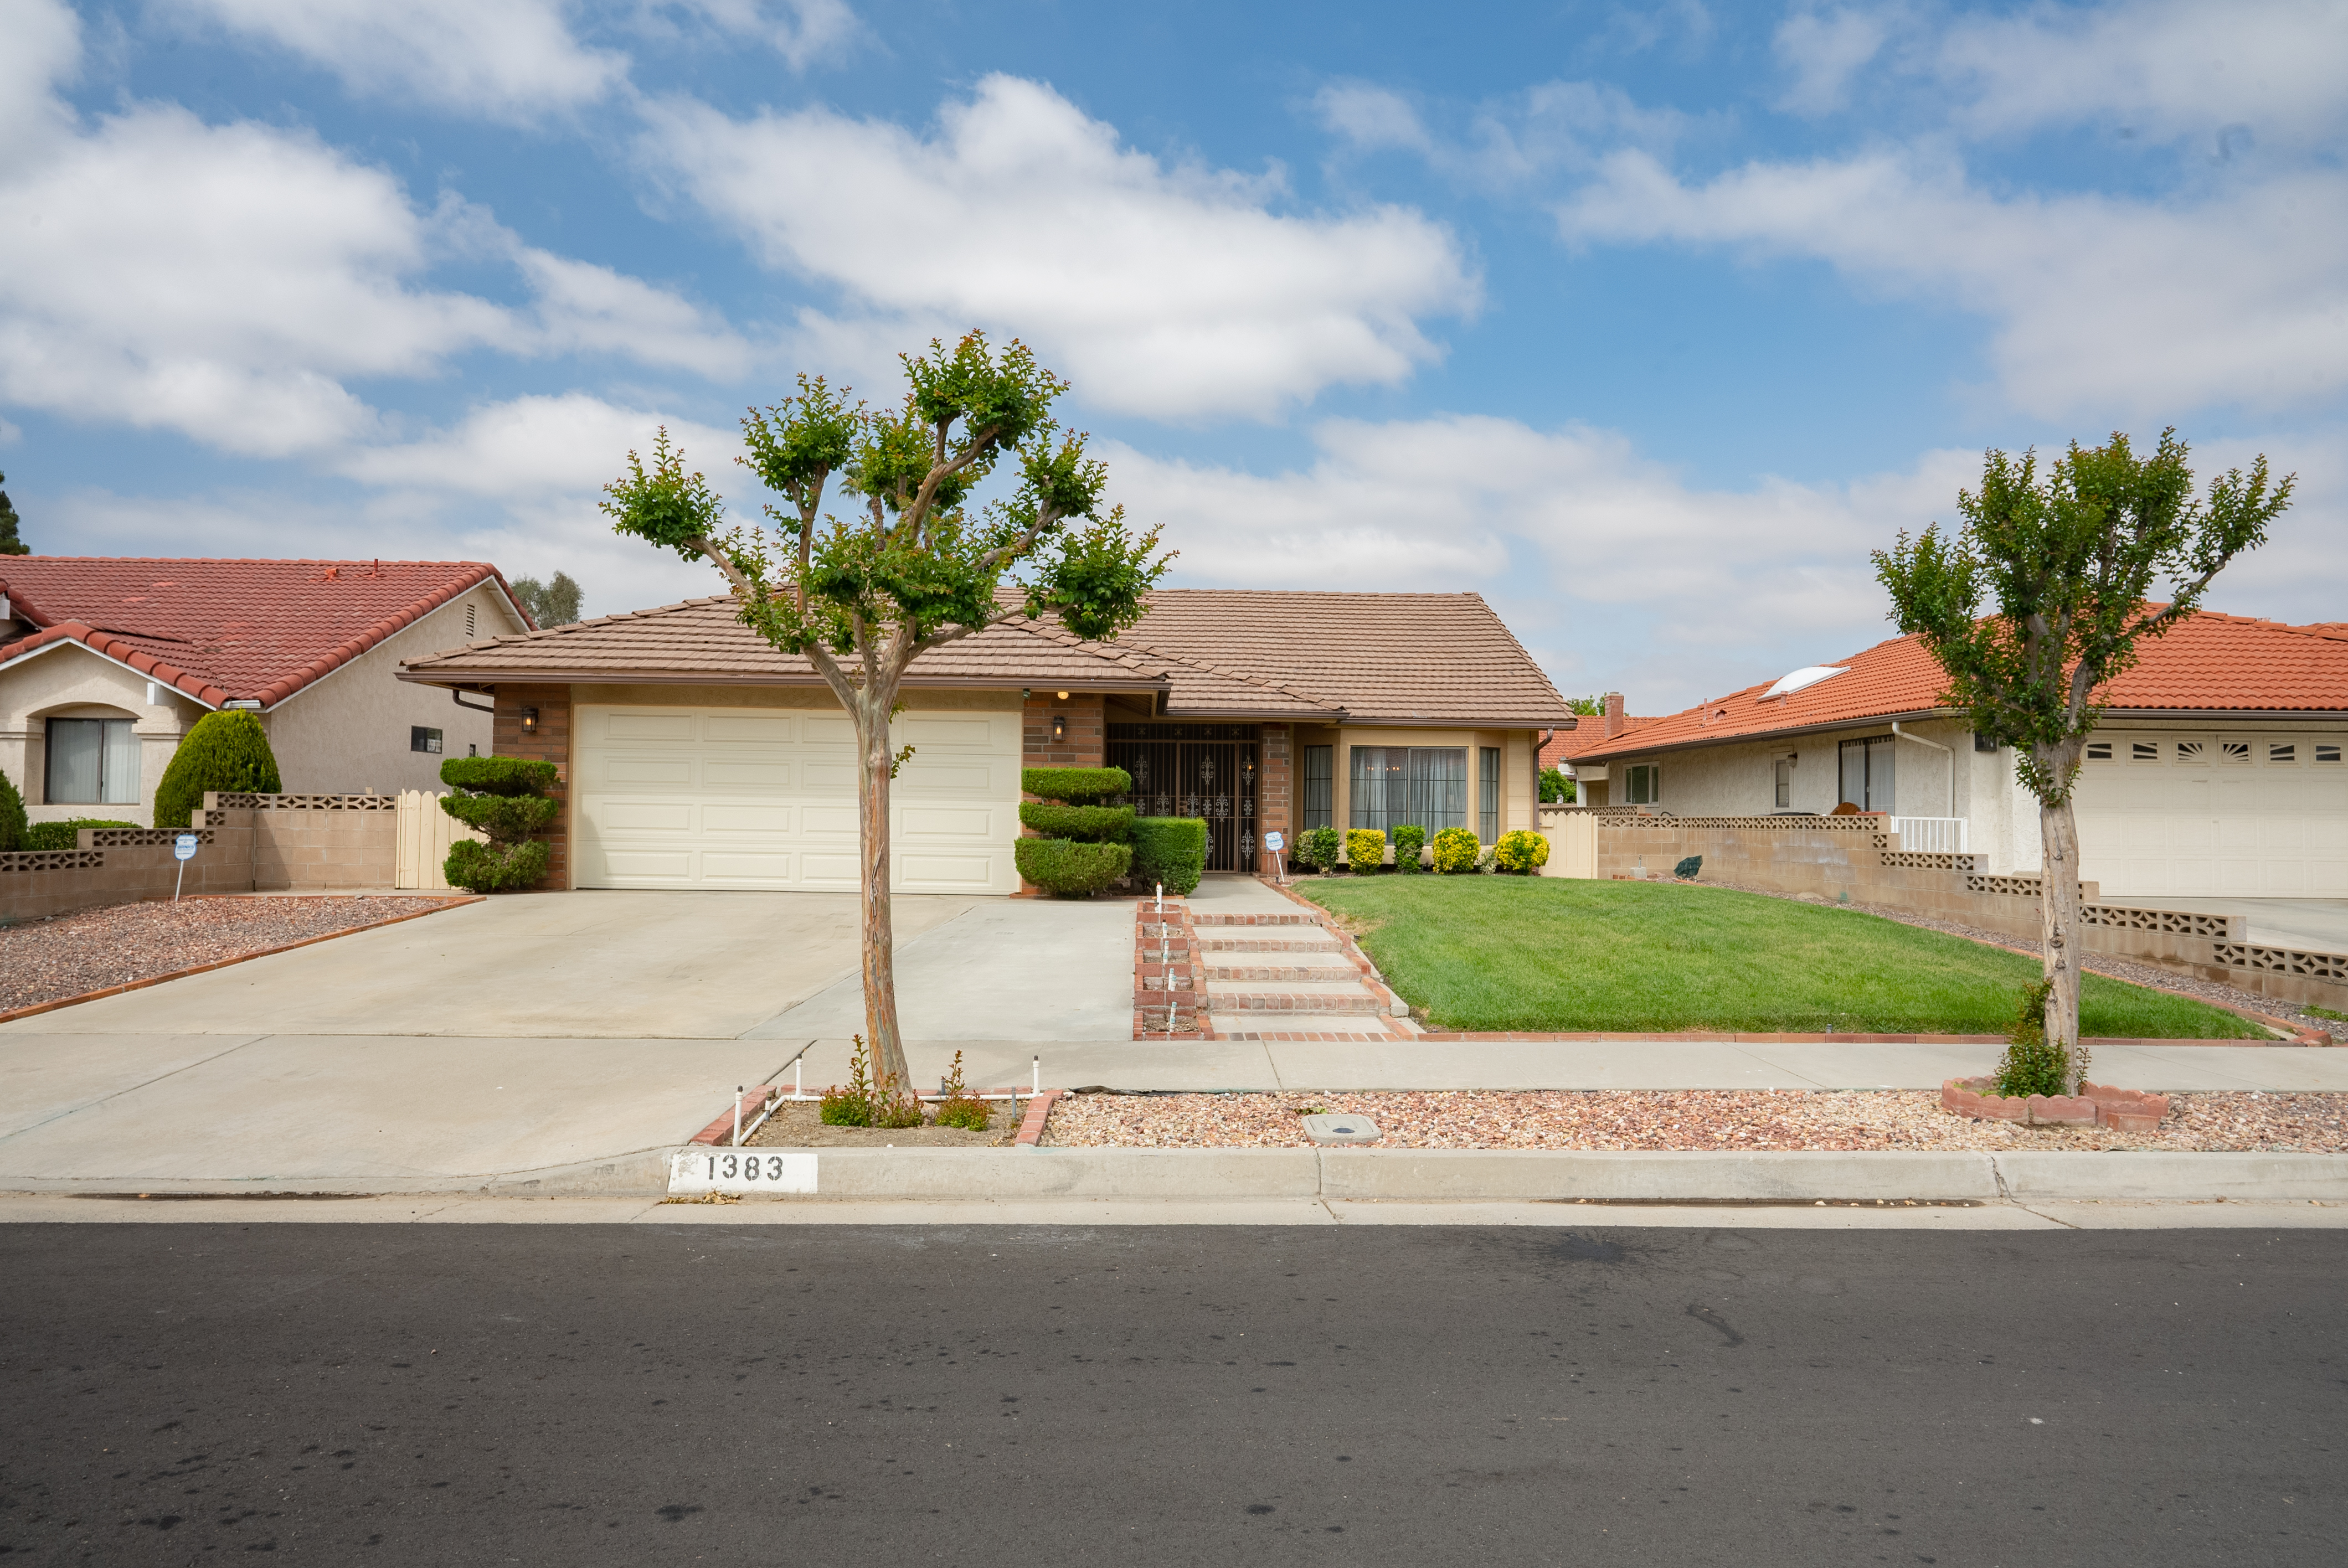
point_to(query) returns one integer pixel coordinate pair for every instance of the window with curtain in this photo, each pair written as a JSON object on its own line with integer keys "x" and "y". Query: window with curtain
{"x": 1867, "y": 772}
{"x": 1643, "y": 784}
{"x": 1392, "y": 786}
{"x": 1488, "y": 793}
{"x": 1320, "y": 786}
{"x": 92, "y": 762}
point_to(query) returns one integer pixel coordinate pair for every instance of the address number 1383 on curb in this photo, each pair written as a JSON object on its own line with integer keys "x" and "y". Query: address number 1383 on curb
{"x": 706, "y": 1170}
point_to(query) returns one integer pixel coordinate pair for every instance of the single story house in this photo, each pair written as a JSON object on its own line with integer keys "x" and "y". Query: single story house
{"x": 2216, "y": 768}
{"x": 694, "y": 754}
{"x": 105, "y": 663}
{"x": 1566, "y": 748}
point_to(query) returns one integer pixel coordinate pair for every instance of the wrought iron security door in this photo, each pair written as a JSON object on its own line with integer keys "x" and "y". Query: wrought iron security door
{"x": 1206, "y": 771}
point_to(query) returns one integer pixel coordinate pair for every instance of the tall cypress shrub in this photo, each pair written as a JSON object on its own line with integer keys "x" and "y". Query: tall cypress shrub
{"x": 1084, "y": 846}
{"x": 228, "y": 752}
{"x": 506, "y": 798}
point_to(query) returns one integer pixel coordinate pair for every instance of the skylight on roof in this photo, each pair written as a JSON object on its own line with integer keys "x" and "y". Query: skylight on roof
{"x": 1807, "y": 676}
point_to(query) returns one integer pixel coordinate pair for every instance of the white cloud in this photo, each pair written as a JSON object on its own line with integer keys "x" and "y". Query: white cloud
{"x": 586, "y": 308}
{"x": 1175, "y": 292}
{"x": 1505, "y": 142}
{"x": 504, "y": 59}
{"x": 803, "y": 32}
{"x": 1824, "y": 48}
{"x": 1371, "y": 118}
{"x": 2100, "y": 302}
{"x": 557, "y": 450}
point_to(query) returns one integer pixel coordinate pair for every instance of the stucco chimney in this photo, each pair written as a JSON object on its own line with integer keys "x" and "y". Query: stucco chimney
{"x": 1613, "y": 714}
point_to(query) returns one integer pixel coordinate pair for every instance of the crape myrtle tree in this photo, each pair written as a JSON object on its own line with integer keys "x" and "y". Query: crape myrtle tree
{"x": 2066, "y": 564}
{"x": 913, "y": 567}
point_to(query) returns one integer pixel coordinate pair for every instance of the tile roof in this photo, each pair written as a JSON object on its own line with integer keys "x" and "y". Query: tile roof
{"x": 1228, "y": 652}
{"x": 1571, "y": 745}
{"x": 227, "y": 630}
{"x": 2207, "y": 662}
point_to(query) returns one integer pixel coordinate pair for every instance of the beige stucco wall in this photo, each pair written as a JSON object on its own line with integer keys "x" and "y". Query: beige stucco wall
{"x": 348, "y": 732}
{"x": 66, "y": 681}
{"x": 1519, "y": 783}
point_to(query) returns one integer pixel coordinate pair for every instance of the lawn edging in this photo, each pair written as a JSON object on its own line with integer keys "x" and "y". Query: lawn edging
{"x": 451, "y": 901}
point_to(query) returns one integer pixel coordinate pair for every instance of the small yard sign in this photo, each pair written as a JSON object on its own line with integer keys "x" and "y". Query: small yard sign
{"x": 1274, "y": 842}
{"x": 183, "y": 850}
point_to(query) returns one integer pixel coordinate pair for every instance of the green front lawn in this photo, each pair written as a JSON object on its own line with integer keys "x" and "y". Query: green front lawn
{"x": 1547, "y": 954}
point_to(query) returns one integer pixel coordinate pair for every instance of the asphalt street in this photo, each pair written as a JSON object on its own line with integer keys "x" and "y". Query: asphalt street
{"x": 587, "y": 1395}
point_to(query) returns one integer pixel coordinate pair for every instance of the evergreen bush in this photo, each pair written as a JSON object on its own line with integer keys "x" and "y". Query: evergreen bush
{"x": 1520, "y": 853}
{"x": 1084, "y": 846}
{"x": 1090, "y": 823}
{"x": 1455, "y": 850}
{"x": 66, "y": 834}
{"x": 1366, "y": 849}
{"x": 1076, "y": 786}
{"x": 1318, "y": 847}
{"x": 1171, "y": 850}
{"x": 505, "y": 798}
{"x": 2033, "y": 1065}
{"x": 11, "y": 816}
{"x": 1409, "y": 839}
{"x": 1067, "y": 869}
{"x": 228, "y": 752}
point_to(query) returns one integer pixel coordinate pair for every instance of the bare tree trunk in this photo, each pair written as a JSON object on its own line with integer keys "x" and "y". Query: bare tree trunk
{"x": 888, "y": 1045}
{"x": 2060, "y": 944}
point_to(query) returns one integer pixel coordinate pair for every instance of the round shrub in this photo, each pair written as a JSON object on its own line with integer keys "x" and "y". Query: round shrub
{"x": 1067, "y": 869}
{"x": 1455, "y": 850}
{"x": 1076, "y": 786}
{"x": 228, "y": 752}
{"x": 478, "y": 867}
{"x": 1171, "y": 850}
{"x": 1091, "y": 824}
{"x": 1366, "y": 849}
{"x": 1520, "y": 853}
{"x": 500, "y": 775}
{"x": 1318, "y": 848}
{"x": 505, "y": 798}
{"x": 11, "y": 816}
{"x": 1409, "y": 839}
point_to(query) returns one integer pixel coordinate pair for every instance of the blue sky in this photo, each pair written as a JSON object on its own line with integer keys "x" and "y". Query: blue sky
{"x": 1645, "y": 322}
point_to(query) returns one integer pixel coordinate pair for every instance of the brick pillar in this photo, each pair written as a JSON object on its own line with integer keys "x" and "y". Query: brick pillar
{"x": 1275, "y": 803}
{"x": 1083, "y": 741}
{"x": 547, "y": 741}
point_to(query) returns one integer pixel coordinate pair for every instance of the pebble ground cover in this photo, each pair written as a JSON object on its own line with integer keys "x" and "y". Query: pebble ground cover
{"x": 1680, "y": 1120}
{"x": 1555, "y": 954}
{"x": 91, "y": 950}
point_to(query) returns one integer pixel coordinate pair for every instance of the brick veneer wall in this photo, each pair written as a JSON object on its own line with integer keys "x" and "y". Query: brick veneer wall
{"x": 1275, "y": 803}
{"x": 550, "y": 742}
{"x": 1085, "y": 746}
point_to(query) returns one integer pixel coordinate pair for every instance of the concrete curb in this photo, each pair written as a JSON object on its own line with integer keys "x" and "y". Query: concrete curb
{"x": 636, "y": 1174}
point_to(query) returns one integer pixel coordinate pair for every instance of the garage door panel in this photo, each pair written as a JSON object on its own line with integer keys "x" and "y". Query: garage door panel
{"x": 723, "y": 798}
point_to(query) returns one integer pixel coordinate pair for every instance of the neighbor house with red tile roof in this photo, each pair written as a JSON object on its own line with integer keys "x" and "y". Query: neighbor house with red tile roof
{"x": 105, "y": 663}
{"x": 693, "y": 754}
{"x": 2216, "y": 768}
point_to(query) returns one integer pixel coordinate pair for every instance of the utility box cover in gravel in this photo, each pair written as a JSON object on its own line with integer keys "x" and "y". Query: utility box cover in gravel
{"x": 1336, "y": 1127}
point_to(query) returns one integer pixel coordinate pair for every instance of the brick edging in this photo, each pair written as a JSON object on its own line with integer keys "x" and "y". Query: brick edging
{"x": 719, "y": 1133}
{"x": 1031, "y": 1126}
{"x": 38, "y": 1008}
{"x": 1183, "y": 975}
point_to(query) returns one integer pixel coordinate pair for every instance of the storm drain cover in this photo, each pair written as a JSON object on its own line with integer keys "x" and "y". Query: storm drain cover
{"x": 1336, "y": 1127}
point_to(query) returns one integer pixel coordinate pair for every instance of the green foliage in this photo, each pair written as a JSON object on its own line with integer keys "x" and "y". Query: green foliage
{"x": 66, "y": 834}
{"x": 1076, "y": 786}
{"x": 1366, "y": 849}
{"x": 2032, "y": 1064}
{"x": 1171, "y": 850}
{"x": 1091, "y": 824}
{"x": 228, "y": 752}
{"x": 511, "y": 776}
{"x": 1409, "y": 838}
{"x": 1556, "y": 787}
{"x": 10, "y": 545}
{"x": 1590, "y": 707}
{"x": 1319, "y": 848}
{"x": 2069, "y": 566}
{"x": 1520, "y": 853}
{"x": 1455, "y": 850}
{"x": 1071, "y": 870}
{"x": 869, "y": 1101}
{"x": 554, "y": 602}
{"x": 960, "y": 1107}
{"x": 503, "y": 797}
{"x": 11, "y": 816}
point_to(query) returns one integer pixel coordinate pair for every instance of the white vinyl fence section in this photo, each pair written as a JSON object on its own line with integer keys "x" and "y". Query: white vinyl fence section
{"x": 1931, "y": 835}
{"x": 426, "y": 831}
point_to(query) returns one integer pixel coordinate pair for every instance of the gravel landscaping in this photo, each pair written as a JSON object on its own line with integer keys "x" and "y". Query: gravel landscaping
{"x": 798, "y": 1124}
{"x": 93, "y": 950}
{"x": 1692, "y": 1118}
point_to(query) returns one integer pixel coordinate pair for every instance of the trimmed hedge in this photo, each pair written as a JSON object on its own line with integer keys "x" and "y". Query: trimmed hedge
{"x": 228, "y": 752}
{"x": 1520, "y": 853}
{"x": 1366, "y": 849}
{"x": 66, "y": 834}
{"x": 1409, "y": 839}
{"x": 1455, "y": 850}
{"x": 1089, "y": 824}
{"x": 504, "y": 797}
{"x": 1170, "y": 849}
{"x": 11, "y": 816}
{"x": 1076, "y": 786}
{"x": 1317, "y": 847}
{"x": 1067, "y": 869}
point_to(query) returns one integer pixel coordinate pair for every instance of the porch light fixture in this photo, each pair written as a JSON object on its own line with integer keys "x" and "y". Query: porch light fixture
{"x": 528, "y": 720}
{"x": 1059, "y": 726}
{"x": 1064, "y": 696}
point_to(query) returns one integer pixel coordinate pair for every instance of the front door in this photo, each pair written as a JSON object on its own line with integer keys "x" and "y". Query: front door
{"x": 1206, "y": 771}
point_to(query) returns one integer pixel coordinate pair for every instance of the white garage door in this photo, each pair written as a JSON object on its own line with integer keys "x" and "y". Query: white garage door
{"x": 2240, "y": 815}
{"x": 751, "y": 797}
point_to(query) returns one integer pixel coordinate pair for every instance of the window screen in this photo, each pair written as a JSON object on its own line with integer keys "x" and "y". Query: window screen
{"x": 420, "y": 739}
{"x": 1488, "y": 793}
{"x": 1391, "y": 785}
{"x": 1785, "y": 793}
{"x": 1867, "y": 772}
{"x": 1320, "y": 786}
{"x": 92, "y": 762}
{"x": 1643, "y": 784}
